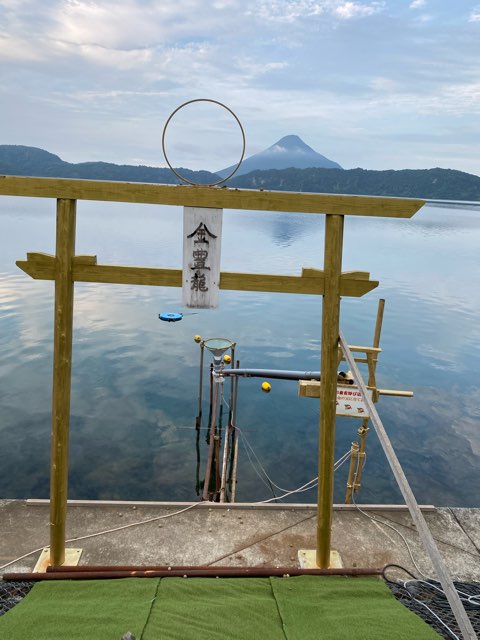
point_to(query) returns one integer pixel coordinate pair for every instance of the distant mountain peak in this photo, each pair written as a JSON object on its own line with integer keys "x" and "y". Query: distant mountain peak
{"x": 292, "y": 143}
{"x": 288, "y": 152}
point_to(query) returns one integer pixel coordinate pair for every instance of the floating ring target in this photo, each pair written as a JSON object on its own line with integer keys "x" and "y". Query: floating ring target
{"x": 220, "y": 104}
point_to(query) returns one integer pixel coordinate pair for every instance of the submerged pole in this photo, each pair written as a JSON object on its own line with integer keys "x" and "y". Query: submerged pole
{"x": 62, "y": 367}
{"x": 233, "y": 486}
{"x": 328, "y": 386}
{"x": 198, "y": 420}
{"x": 208, "y": 469}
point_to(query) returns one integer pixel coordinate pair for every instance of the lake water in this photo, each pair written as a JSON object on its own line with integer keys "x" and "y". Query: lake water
{"x": 135, "y": 378}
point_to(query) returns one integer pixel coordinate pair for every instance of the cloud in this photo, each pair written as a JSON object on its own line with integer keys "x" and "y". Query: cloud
{"x": 290, "y": 11}
{"x": 286, "y": 11}
{"x": 16, "y": 48}
{"x": 475, "y": 15}
{"x": 252, "y": 68}
{"x": 417, "y": 4}
{"x": 86, "y": 27}
{"x": 349, "y": 10}
{"x": 96, "y": 79}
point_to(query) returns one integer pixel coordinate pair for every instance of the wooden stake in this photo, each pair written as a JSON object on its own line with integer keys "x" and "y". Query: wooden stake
{"x": 378, "y": 324}
{"x": 62, "y": 365}
{"x": 328, "y": 387}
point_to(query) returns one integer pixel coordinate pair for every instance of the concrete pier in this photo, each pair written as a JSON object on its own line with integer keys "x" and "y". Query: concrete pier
{"x": 240, "y": 535}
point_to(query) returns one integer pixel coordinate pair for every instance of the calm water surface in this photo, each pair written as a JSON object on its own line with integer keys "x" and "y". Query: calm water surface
{"x": 135, "y": 379}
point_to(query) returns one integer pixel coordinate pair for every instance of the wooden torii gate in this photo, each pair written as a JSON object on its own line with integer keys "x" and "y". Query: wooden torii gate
{"x": 66, "y": 268}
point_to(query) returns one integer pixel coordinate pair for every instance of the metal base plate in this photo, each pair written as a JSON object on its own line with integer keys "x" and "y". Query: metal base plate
{"x": 72, "y": 558}
{"x": 308, "y": 560}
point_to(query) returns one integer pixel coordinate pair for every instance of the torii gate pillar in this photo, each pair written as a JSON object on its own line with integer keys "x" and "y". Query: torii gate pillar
{"x": 328, "y": 386}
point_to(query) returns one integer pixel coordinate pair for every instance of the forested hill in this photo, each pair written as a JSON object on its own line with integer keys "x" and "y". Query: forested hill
{"x": 19, "y": 160}
{"x": 435, "y": 184}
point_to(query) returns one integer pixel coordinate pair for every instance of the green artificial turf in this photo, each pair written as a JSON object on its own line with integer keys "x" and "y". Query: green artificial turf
{"x": 299, "y": 608}
{"x": 340, "y": 608}
{"x": 80, "y": 610}
{"x": 207, "y": 608}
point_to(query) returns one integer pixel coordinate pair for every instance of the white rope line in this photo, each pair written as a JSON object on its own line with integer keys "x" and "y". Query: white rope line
{"x": 444, "y": 624}
{"x": 246, "y": 443}
{"x": 101, "y": 533}
{"x": 251, "y": 462}
{"x": 289, "y": 493}
{"x": 381, "y": 522}
{"x": 305, "y": 487}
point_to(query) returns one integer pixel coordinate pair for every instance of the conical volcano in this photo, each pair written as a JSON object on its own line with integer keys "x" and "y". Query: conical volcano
{"x": 289, "y": 151}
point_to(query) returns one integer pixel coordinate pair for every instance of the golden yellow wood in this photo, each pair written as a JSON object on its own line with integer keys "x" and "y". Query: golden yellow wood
{"x": 77, "y": 260}
{"x": 62, "y": 365}
{"x": 311, "y": 389}
{"x": 328, "y": 388}
{"x": 221, "y": 198}
{"x": 72, "y": 558}
{"x": 308, "y": 272}
{"x": 379, "y": 322}
{"x": 358, "y": 349}
{"x": 85, "y": 269}
{"x": 45, "y": 259}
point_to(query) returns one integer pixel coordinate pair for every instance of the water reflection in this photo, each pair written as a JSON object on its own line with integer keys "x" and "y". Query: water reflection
{"x": 135, "y": 379}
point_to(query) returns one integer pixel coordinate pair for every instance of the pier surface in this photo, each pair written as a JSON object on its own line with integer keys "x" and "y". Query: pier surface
{"x": 239, "y": 535}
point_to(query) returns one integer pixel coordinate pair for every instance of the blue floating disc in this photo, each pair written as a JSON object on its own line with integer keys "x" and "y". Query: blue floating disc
{"x": 170, "y": 317}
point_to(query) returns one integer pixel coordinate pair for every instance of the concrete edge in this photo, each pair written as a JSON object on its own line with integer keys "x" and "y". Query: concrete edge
{"x": 226, "y": 505}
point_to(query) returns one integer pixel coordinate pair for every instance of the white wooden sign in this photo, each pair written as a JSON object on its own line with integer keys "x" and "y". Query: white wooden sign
{"x": 202, "y": 237}
{"x": 350, "y": 403}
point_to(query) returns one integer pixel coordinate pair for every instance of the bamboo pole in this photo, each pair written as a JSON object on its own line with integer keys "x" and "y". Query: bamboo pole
{"x": 62, "y": 366}
{"x": 362, "y": 432}
{"x": 328, "y": 387}
{"x": 351, "y": 472}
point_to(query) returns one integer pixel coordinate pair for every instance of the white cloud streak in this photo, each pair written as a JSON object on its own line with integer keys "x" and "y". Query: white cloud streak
{"x": 475, "y": 15}
{"x": 290, "y": 11}
{"x": 350, "y": 10}
{"x": 417, "y": 4}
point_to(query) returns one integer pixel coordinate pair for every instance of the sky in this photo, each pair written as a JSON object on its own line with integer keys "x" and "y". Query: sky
{"x": 378, "y": 84}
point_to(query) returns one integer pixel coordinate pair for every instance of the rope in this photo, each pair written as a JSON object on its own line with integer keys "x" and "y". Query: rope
{"x": 101, "y": 533}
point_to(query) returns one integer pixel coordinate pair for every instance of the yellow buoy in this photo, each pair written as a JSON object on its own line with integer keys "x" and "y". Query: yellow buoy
{"x": 198, "y": 338}
{"x": 227, "y": 358}
{"x": 266, "y": 386}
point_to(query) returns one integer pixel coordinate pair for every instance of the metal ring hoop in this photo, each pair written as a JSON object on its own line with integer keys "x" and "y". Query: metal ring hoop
{"x": 237, "y": 166}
